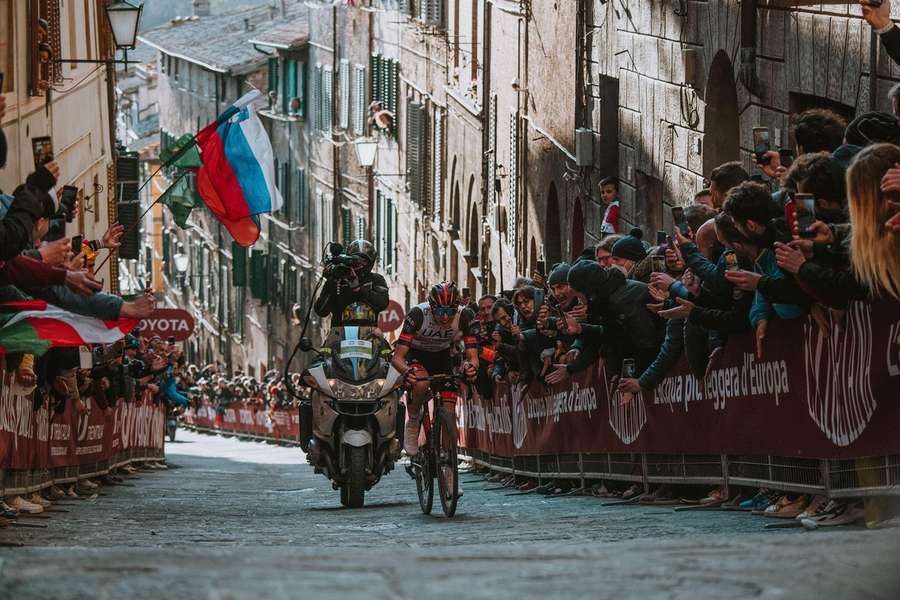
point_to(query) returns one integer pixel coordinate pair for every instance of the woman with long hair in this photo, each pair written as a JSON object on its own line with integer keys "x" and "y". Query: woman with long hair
{"x": 874, "y": 249}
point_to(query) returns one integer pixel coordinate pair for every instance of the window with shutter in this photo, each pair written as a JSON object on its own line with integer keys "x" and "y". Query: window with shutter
{"x": 238, "y": 265}
{"x": 317, "y": 98}
{"x": 344, "y": 106}
{"x": 320, "y": 242}
{"x": 274, "y": 274}
{"x": 302, "y": 203}
{"x": 437, "y": 165}
{"x": 360, "y": 228}
{"x": 346, "y": 225}
{"x": 393, "y": 86}
{"x": 359, "y": 100}
{"x": 223, "y": 295}
{"x": 327, "y": 99}
{"x": 415, "y": 155}
{"x": 513, "y": 180}
{"x": 328, "y": 217}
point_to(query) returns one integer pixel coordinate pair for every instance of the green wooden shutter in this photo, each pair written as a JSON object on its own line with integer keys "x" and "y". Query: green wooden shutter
{"x": 238, "y": 265}
{"x": 359, "y": 100}
{"x": 327, "y": 99}
{"x": 302, "y": 201}
{"x": 344, "y": 95}
{"x": 274, "y": 273}
{"x": 375, "y": 73}
{"x": 286, "y": 190}
{"x": 437, "y": 166}
{"x": 317, "y": 98}
{"x": 415, "y": 151}
{"x": 259, "y": 280}
{"x": 273, "y": 76}
{"x": 346, "y": 225}
{"x": 300, "y": 71}
{"x": 391, "y": 222}
{"x": 511, "y": 231}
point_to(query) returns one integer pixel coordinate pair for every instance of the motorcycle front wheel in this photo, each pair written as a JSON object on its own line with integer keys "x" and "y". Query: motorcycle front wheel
{"x": 353, "y": 490}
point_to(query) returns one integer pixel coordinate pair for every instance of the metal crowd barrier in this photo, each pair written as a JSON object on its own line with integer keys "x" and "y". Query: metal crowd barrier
{"x": 846, "y": 478}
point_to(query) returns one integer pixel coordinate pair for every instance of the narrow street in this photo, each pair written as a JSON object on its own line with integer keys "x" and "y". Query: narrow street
{"x": 238, "y": 519}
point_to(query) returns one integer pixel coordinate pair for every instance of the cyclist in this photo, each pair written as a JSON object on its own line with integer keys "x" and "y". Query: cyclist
{"x": 354, "y": 295}
{"x": 424, "y": 348}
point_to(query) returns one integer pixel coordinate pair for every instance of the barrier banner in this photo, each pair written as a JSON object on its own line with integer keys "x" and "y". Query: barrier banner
{"x": 812, "y": 395}
{"x": 247, "y": 418}
{"x": 40, "y": 439}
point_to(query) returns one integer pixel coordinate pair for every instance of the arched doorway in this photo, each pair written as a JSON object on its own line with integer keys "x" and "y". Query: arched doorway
{"x": 457, "y": 224}
{"x": 473, "y": 246}
{"x": 721, "y": 117}
{"x": 552, "y": 242}
{"x": 577, "y": 230}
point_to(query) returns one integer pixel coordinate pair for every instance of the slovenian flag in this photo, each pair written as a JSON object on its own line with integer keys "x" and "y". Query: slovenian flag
{"x": 237, "y": 178}
{"x": 33, "y": 326}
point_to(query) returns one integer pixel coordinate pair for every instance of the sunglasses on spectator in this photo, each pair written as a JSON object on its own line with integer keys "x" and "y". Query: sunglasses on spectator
{"x": 445, "y": 311}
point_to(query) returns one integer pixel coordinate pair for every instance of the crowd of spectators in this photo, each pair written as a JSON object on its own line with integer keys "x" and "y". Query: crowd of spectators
{"x": 38, "y": 261}
{"x": 210, "y": 385}
{"x": 748, "y": 251}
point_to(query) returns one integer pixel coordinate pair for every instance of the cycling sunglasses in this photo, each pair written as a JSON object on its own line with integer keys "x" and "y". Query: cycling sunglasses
{"x": 444, "y": 311}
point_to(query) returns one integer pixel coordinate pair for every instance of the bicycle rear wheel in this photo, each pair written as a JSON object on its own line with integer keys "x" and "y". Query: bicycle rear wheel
{"x": 446, "y": 467}
{"x": 424, "y": 479}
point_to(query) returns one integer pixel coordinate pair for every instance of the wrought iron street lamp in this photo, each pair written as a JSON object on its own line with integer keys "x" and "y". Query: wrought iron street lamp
{"x": 124, "y": 17}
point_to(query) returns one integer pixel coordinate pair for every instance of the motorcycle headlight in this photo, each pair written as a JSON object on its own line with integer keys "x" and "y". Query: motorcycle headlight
{"x": 347, "y": 391}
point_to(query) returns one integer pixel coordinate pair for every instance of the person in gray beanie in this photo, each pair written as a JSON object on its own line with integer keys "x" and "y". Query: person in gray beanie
{"x": 627, "y": 252}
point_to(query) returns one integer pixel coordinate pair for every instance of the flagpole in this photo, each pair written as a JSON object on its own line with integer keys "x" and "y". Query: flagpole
{"x": 152, "y": 204}
{"x": 238, "y": 105}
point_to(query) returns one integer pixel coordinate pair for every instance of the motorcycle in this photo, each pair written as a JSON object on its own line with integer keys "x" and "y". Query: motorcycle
{"x": 354, "y": 413}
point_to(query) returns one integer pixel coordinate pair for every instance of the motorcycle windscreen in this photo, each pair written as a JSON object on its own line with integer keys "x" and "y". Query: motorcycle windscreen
{"x": 356, "y": 353}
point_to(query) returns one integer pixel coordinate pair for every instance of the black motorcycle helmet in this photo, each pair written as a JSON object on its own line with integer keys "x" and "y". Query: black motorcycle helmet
{"x": 364, "y": 251}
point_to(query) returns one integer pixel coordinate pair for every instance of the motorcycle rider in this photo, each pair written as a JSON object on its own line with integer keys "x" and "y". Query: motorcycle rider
{"x": 424, "y": 349}
{"x": 346, "y": 285}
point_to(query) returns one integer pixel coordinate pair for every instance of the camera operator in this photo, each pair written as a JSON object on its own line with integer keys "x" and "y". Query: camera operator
{"x": 350, "y": 280}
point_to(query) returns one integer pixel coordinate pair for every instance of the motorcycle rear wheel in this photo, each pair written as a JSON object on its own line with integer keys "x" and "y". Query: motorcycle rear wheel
{"x": 447, "y": 467}
{"x": 353, "y": 490}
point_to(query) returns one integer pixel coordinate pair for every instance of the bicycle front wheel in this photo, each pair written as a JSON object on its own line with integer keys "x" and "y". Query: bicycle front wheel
{"x": 424, "y": 479}
{"x": 446, "y": 464}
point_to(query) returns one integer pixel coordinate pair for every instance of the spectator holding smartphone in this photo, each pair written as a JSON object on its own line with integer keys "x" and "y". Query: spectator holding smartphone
{"x": 877, "y": 13}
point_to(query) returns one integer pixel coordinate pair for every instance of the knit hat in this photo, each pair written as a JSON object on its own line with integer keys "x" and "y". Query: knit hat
{"x": 592, "y": 280}
{"x": 559, "y": 274}
{"x": 872, "y": 128}
{"x": 845, "y": 153}
{"x": 629, "y": 247}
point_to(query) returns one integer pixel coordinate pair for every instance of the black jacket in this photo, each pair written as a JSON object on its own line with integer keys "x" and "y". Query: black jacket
{"x": 891, "y": 41}
{"x": 29, "y": 205}
{"x": 373, "y": 290}
{"x": 628, "y": 329}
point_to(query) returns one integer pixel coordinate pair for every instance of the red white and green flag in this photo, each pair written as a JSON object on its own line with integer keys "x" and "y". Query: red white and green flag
{"x": 33, "y": 326}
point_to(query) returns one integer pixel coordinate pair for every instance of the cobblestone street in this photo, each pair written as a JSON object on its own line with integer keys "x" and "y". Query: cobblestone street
{"x": 241, "y": 519}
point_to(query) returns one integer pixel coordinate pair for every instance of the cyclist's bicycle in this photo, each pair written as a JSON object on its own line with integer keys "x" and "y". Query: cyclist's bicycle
{"x": 437, "y": 458}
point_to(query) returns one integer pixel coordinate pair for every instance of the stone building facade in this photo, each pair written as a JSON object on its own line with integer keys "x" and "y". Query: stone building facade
{"x": 495, "y": 120}
{"x": 77, "y": 112}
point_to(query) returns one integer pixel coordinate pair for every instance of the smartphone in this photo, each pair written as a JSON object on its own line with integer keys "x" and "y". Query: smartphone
{"x": 661, "y": 238}
{"x": 85, "y": 357}
{"x": 76, "y": 244}
{"x": 786, "y": 157}
{"x": 731, "y": 261}
{"x": 680, "y": 221}
{"x": 874, "y": 3}
{"x": 69, "y": 194}
{"x": 790, "y": 212}
{"x": 805, "y": 210}
{"x": 540, "y": 267}
{"x": 171, "y": 340}
{"x": 465, "y": 292}
{"x": 628, "y": 369}
{"x": 761, "y": 144}
{"x": 42, "y": 147}
{"x": 659, "y": 263}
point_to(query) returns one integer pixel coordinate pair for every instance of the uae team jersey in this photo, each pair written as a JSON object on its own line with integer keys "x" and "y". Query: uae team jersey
{"x": 422, "y": 332}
